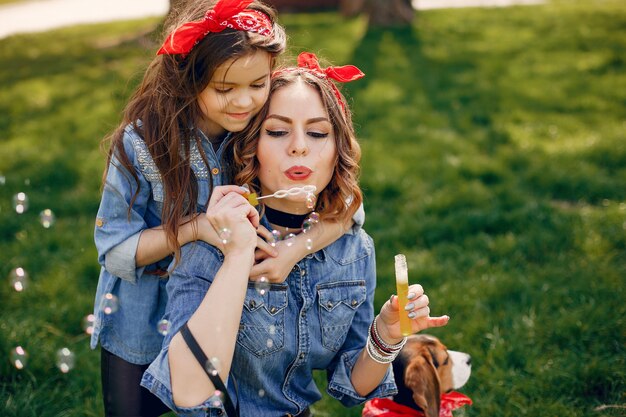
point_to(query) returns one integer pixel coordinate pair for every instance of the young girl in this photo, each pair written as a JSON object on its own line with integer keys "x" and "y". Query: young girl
{"x": 210, "y": 77}
{"x": 322, "y": 316}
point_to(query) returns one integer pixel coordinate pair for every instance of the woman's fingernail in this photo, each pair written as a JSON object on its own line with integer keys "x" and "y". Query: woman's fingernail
{"x": 411, "y": 315}
{"x": 411, "y": 295}
{"x": 409, "y": 307}
{"x": 391, "y": 298}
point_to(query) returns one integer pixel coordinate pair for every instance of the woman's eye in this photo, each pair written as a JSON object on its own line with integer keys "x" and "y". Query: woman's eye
{"x": 275, "y": 133}
{"x": 222, "y": 91}
{"x": 258, "y": 86}
{"x": 318, "y": 135}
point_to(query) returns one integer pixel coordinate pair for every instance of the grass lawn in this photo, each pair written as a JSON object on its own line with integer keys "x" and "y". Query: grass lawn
{"x": 494, "y": 157}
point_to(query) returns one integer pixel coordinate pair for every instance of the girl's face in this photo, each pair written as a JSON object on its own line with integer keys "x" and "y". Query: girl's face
{"x": 296, "y": 145}
{"x": 236, "y": 92}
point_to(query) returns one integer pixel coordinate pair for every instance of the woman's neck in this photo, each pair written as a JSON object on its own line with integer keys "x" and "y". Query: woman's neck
{"x": 285, "y": 221}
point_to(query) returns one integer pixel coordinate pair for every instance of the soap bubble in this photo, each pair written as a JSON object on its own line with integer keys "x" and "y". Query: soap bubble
{"x": 65, "y": 360}
{"x": 216, "y": 399}
{"x": 3, "y": 180}
{"x": 289, "y": 239}
{"x": 310, "y": 201}
{"x": 225, "y": 234}
{"x": 109, "y": 303}
{"x": 262, "y": 285}
{"x": 88, "y": 323}
{"x": 307, "y": 225}
{"x": 309, "y": 244}
{"x": 19, "y": 279}
{"x": 163, "y": 327}
{"x": 20, "y": 203}
{"x": 213, "y": 366}
{"x": 276, "y": 236}
{"x": 19, "y": 357}
{"x": 261, "y": 393}
{"x": 314, "y": 217}
{"x": 47, "y": 218}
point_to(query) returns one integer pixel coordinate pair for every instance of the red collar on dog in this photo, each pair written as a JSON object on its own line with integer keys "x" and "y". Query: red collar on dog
{"x": 384, "y": 407}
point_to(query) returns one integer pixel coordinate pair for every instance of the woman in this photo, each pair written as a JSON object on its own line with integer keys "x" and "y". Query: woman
{"x": 321, "y": 317}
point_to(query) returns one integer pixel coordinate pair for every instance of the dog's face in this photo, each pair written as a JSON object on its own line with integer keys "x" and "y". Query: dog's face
{"x": 425, "y": 369}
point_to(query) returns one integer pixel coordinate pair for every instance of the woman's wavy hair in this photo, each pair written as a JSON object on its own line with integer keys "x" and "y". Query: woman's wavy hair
{"x": 342, "y": 196}
{"x": 164, "y": 107}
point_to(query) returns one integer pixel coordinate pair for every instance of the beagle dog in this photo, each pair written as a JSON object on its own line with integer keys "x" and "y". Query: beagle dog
{"x": 425, "y": 372}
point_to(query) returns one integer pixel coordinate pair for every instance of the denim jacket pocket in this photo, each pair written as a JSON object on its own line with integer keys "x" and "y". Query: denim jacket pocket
{"x": 338, "y": 302}
{"x": 262, "y": 327}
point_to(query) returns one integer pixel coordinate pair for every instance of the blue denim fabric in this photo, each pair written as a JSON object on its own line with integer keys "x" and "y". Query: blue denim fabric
{"x": 317, "y": 319}
{"x": 131, "y": 332}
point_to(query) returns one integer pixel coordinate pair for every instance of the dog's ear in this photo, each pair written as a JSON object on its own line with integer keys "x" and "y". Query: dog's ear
{"x": 421, "y": 377}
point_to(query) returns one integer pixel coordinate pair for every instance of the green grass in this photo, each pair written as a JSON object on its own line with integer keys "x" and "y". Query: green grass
{"x": 494, "y": 157}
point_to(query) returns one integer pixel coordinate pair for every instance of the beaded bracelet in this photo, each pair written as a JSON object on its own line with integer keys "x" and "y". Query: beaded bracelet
{"x": 378, "y": 356}
{"x": 385, "y": 346}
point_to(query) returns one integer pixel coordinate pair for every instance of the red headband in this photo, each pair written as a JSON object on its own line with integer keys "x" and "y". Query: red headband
{"x": 226, "y": 14}
{"x": 307, "y": 61}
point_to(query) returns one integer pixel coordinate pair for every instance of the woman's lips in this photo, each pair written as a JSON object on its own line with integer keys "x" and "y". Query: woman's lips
{"x": 298, "y": 173}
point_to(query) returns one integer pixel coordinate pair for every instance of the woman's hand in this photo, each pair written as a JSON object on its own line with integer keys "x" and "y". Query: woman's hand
{"x": 417, "y": 310}
{"x": 273, "y": 263}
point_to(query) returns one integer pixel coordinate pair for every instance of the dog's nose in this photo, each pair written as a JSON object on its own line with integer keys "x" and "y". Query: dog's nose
{"x": 469, "y": 360}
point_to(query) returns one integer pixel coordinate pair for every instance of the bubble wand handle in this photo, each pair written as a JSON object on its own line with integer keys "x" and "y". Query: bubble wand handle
{"x": 402, "y": 288}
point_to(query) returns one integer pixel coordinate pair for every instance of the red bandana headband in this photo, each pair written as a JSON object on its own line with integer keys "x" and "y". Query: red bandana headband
{"x": 307, "y": 61}
{"x": 226, "y": 14}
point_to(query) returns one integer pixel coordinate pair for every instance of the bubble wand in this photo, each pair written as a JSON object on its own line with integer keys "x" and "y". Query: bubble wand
{"x": 306, "y": 189}
{"x": 402, "y": 287}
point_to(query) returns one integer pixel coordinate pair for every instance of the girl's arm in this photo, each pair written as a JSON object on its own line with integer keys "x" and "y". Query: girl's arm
{"x": 367, "y": 373}
{"x": 216, "y": 321}
{"x": 153, "y": 244}
{"x": 276, "y": 269}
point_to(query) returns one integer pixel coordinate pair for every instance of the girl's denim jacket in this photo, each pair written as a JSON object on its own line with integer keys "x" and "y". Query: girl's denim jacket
{"x": 139, "y": 296}
{"x": 317, "y": 319}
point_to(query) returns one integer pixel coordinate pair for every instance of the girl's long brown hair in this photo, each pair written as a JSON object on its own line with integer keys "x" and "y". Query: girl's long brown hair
{"x": 164, "y": 108}
{"x": 342, "y": 196}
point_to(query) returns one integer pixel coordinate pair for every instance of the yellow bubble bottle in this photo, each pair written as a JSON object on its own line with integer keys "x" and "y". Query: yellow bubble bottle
{"x": 402, "y": 288}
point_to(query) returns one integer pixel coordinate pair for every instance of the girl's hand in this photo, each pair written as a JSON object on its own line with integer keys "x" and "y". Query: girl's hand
{"x": 417, "y": 309}
{"x": 234, "y": 220}
{"x": 222, "y": 190}
{"x": 274, "y": 266}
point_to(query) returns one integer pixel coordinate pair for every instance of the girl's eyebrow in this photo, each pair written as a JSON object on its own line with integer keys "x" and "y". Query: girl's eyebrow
{"x": 288, "y": 120}
{"x": 261, "y": 78}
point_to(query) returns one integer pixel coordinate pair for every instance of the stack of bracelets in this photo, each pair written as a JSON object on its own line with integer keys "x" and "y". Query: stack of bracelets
{"x": 380, "y": 351}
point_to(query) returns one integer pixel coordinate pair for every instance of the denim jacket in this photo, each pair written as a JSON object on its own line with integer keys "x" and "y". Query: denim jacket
{"x": 317, "y": 319}
{"x": 130, "y": 330}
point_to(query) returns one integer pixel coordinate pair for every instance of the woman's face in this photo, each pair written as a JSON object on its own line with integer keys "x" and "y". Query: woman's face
{"x": 296, "y": 145}
{"x": 237, "y": 91}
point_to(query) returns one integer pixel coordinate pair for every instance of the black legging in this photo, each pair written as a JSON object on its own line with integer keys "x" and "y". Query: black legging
{"x": 122, "y": 394}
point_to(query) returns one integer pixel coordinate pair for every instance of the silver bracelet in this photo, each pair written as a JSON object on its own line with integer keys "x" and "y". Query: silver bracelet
{"x": 377, "y": 355}
{"x": 397, "y": 347}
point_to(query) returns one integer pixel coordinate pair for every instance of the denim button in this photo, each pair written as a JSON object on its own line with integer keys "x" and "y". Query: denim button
{"x": 273, "y": 310}
{"x": 252, "y": 304}
{"x": 329, "y": 305}
{"x": 354, "y": 303}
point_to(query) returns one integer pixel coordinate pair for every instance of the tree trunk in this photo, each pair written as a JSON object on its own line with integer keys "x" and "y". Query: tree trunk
{"x": 389, "y": 12}
{"x": 351, "y": 8}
